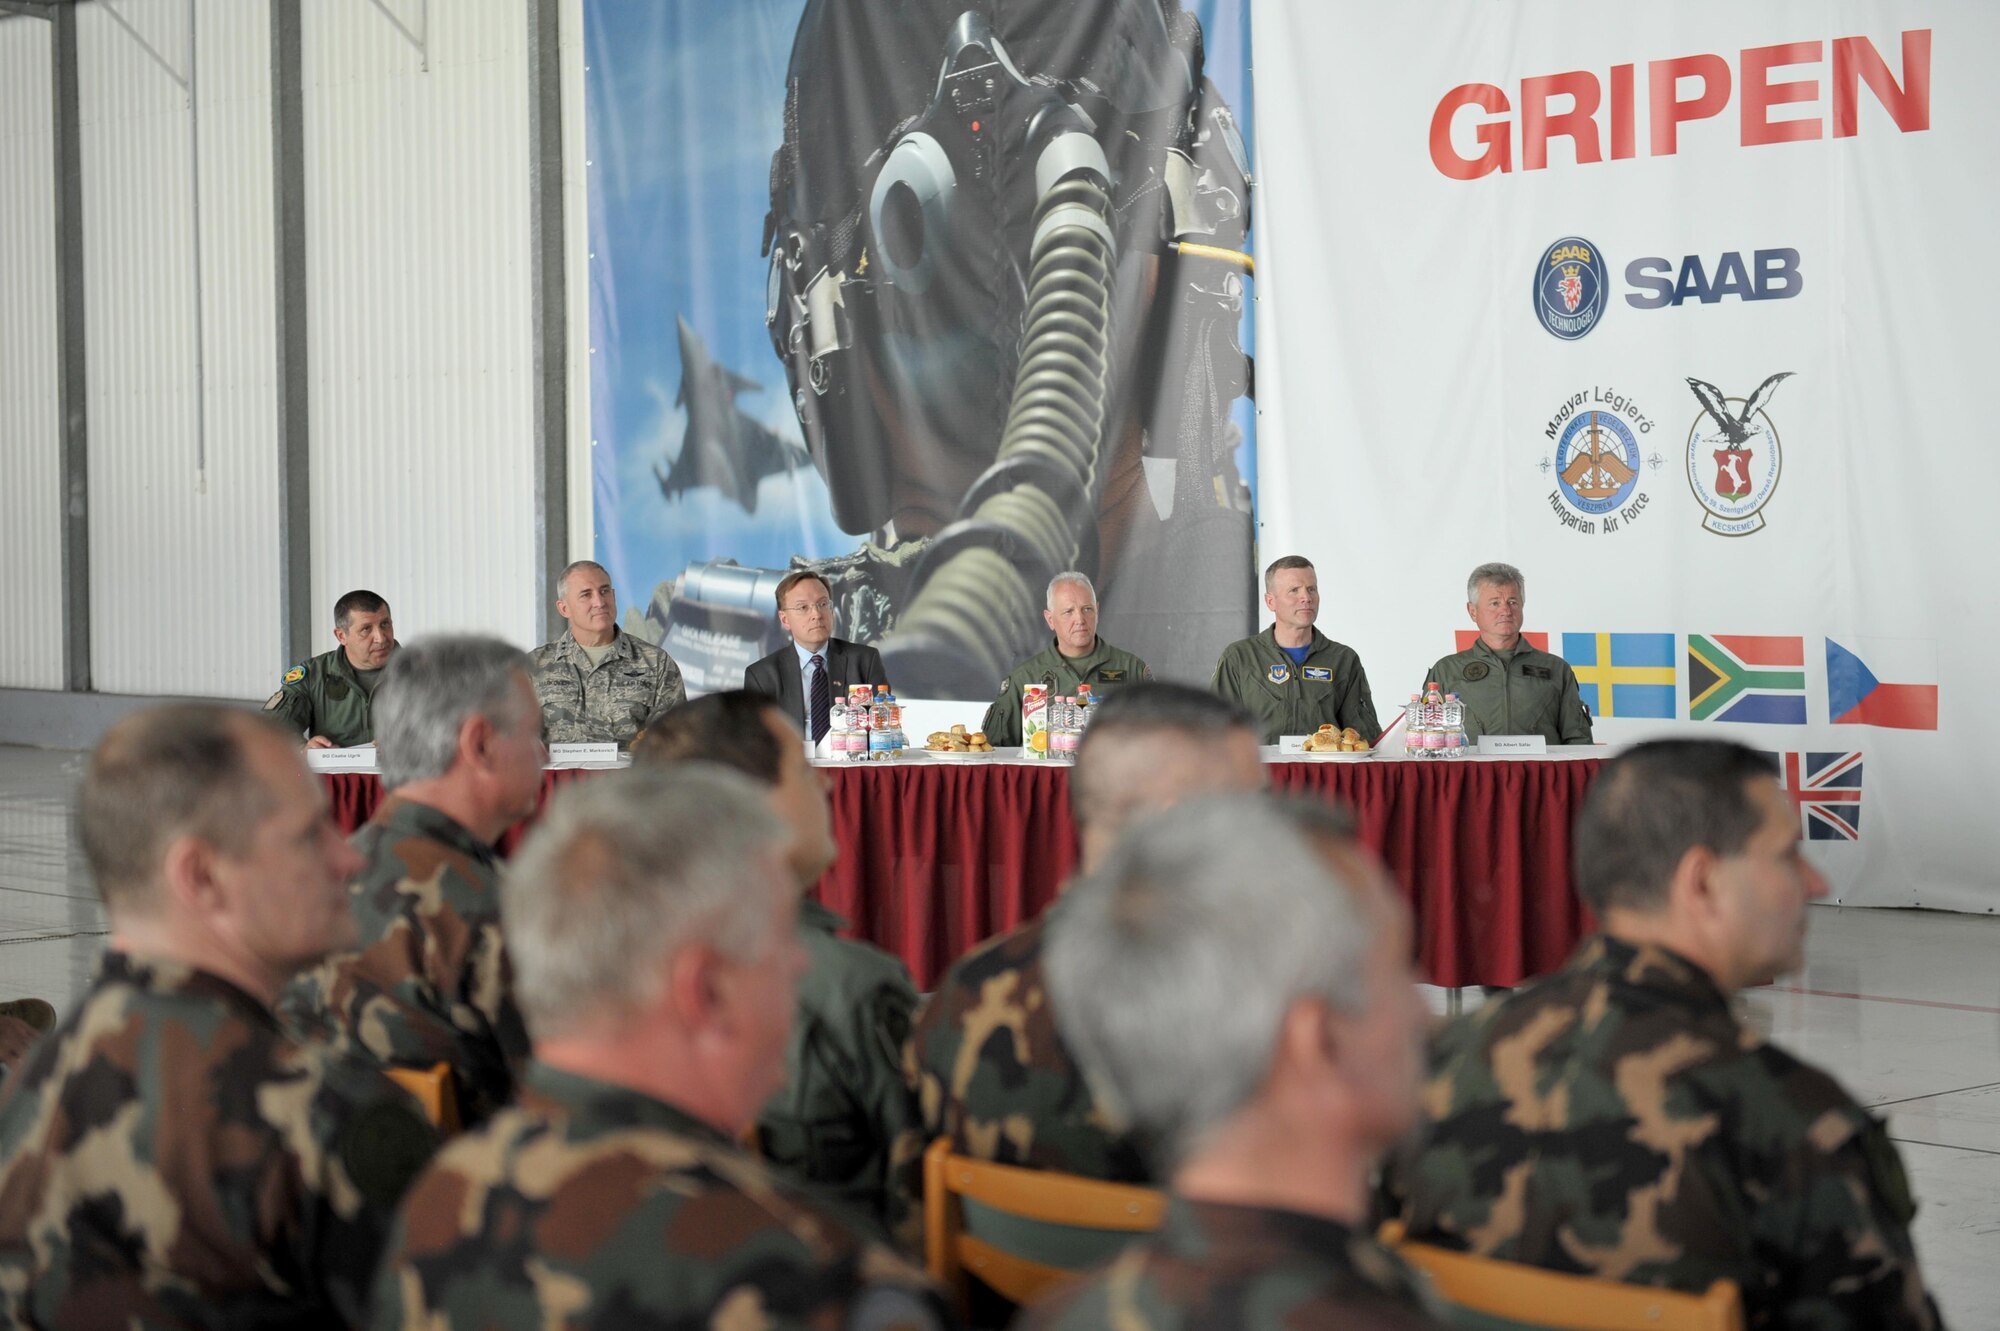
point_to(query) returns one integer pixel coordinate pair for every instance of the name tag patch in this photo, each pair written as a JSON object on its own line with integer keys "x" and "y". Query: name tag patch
{"x": 1316, "y": 674}
{"x": 1279, "y": 674}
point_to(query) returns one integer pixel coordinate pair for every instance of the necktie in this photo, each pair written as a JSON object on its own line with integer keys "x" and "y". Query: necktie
{"x": 822, "y": 698}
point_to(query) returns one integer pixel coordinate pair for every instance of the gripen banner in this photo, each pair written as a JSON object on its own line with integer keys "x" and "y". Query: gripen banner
{"x": 1688, "y": 311}
{"x": 938, "y": 298}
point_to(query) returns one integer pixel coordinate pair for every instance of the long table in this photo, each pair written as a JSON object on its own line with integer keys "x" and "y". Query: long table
{"x": 936, "y": 856}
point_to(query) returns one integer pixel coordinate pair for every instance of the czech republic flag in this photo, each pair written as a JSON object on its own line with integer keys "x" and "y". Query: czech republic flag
{"x": 1855, "y": 697}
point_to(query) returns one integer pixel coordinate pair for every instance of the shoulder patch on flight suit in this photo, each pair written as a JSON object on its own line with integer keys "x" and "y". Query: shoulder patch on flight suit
{"x": 1278, "y": 674}
{"x": 295, "y": 674}
{"x": 1317, "y": 674}
{"x": 1478, "y": 670}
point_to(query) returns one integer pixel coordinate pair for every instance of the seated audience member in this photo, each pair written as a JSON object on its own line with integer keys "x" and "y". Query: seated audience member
{"x": 329, "y": 697}
{"x": 427, "y": 980}
{"x": 597, "y": 683}
{"x": 168, "y": 1158}
{"x": 1508, "y": 686}
{"x": 1292, "y": 677}
{"x": 843, "y": 1111}
{"x": 1253, "y": 1016}
{"x": 1616, "y": 1119}
{"x": 815, "y": 668}
{"x": 654, "y": 923}
{"x": 986, "y": 1061}
{"x": 22, "y": 1022}
{"x": 1074, "y": 657}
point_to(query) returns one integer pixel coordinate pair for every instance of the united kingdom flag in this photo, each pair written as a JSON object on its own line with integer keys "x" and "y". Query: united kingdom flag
{"x": 1825, "y": 788}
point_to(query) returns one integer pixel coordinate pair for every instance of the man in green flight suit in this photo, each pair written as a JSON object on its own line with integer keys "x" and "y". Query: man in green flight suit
{"x": 1076, "y": 657}
{"x": 1509, "y": 687}
{"x": 328, "y": 696}
{"x": 1292, "y": 677}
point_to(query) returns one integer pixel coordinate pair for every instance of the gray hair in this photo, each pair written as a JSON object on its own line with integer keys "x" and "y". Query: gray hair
{"x": 1074, "y": 579}
{"x": 1171, "y": 968}
{"x": 626, "y": 869}
{"x": 1505, "y": 575}
{"x": 576, "y": 566}
{"x": 430, "y": 689}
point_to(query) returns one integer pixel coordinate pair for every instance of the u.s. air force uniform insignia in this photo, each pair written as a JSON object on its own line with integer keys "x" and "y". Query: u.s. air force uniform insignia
{"x": 1316, "y": 674}
{"x": 1111, "y": 676}
{"x": 1478, "y": 670}
{"x": 1278, "y": 674}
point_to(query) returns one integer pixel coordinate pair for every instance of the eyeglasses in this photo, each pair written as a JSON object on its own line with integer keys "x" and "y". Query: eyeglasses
{"x": 821, "y": 606}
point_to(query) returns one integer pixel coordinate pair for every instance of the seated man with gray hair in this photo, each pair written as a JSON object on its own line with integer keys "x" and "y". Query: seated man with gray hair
{"x": 1076, "y": 656}
{"x": 597, "y": 683}
{"x": 655, "y": 927}
{"x": 427, "y": 980}
{"x": 1508, "y": 686}
{"x": 1250, "y": 1010}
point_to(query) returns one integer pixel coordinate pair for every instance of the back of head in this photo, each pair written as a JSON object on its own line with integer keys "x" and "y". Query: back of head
{"x": 1171, "y": 967}
{"x": 179, "y": 770}
{"x": 623, "y": 871}
{"x": 1651, "y": 805}
{"x": 430, "y": 689}
{"x": 1117, "y": 770}
{"x": 728, "y": 728}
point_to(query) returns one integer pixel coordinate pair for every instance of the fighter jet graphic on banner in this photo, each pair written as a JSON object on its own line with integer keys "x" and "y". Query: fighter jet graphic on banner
{"x": 722, "y": 447}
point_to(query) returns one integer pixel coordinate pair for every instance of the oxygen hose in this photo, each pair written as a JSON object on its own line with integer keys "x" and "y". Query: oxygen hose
{"x": 1027, "y": 518}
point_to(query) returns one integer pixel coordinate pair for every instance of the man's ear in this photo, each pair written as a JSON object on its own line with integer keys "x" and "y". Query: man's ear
{"x": 1692, "y": 891}
{"x": 475, "y": 741}
{"x": 695, "y": 987}
{"x": 187, "y": 872}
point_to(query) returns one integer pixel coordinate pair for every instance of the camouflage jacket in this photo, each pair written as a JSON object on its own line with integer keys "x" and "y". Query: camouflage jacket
{"x": 589, "y": 1205}
{"x": 1104, "y": 667}
{"x": 990, "y": 1069}
{"x": 428, "y": 980}
{"x": 325, "y": 696}
{"x": 1615, "y": 1119}
{"x": 1330, "y": 687}
{"x": 172, "y": 1160}
{"x": 611, "y": 702}
{"x": 844, "y": 1118}
{"x": 1246, "y": 1268}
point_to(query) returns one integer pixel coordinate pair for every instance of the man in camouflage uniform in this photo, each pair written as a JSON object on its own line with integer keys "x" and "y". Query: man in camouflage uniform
{"x": 1265, "y": 1113}
{"x": 654, "y": 924}
{"x": 1076, "y": 657}
{"x": 1292, "y": 677}
{"x": 986, "y": 1062}
{"x": 167, "y": 1156}
{"x": 597, "y": 683}
{"x": 843, "y": 1116}
{"x": 327, "y": 698}
{"x": 1508, "y": 686}
{"x": 1616, "y": 1119}
{"x": 427, "y": 980}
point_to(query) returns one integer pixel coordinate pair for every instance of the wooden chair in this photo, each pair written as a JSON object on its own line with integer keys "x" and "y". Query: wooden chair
{"x": 434, "y": 1090}
{"x": 1029, "y": 1196}
{"x": 1488, "y": 1294}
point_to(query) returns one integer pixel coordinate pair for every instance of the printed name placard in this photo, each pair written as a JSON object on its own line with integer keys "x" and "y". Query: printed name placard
{"x": 1513, "y": 746}
{"x": 342, "y": 760}
{"x": 563, "y": 755}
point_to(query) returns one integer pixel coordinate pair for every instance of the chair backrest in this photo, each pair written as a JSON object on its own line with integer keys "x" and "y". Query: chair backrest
{"x": 1026, "y": 1199}
{"x": 1490, "y": 1294}
{"x": 434, "y": 1090}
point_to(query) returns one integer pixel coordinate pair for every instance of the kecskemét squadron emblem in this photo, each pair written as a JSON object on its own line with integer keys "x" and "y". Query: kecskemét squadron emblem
{"x": 1734, "y": 458}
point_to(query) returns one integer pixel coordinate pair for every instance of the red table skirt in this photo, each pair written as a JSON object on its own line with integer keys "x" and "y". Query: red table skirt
{"x": 936, "y": 857}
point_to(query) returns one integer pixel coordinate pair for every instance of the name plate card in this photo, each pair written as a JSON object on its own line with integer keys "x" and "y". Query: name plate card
{"x": 1291, "y": 743}
{"x": 581, "y": 755}
{"x": 1513, "y": 746}
{"x": 342, "y": 760}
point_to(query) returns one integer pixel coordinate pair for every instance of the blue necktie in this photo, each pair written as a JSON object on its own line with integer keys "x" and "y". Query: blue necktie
{"x": 822, "y": 699}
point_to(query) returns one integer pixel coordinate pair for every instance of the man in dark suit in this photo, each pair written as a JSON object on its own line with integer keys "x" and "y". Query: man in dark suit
{"x": 807, "y": 676}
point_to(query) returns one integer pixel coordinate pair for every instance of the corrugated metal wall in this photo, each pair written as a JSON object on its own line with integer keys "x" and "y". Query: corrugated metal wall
{"x": 421, "y": 346}
{"x": 30, "y": 494}
{"x": 183, "y": 534}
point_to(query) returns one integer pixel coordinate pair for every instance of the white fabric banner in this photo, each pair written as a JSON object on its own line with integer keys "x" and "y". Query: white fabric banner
{"x": 1682, "y": 309}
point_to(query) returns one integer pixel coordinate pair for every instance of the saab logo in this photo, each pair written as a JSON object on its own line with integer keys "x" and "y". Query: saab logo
{"x": 1598, "y": 470}
{"x": 1733, "y": 457}
{"x": 1316, "y": 674}
{"x": 1770, "y": 275}
{"x": 1570, "y": 288}
{"x": 1279, "y": 674}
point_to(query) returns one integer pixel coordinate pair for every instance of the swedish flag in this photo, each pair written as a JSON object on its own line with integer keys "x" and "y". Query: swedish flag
{"x": 1624, "y": 674}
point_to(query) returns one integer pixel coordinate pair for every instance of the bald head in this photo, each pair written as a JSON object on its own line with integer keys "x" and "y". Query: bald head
{"x": 1152, "y": 746}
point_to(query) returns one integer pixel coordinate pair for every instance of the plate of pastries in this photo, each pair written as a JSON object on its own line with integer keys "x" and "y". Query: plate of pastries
{"x": 1332, "y": 742}
{"x": 958, "y": 743}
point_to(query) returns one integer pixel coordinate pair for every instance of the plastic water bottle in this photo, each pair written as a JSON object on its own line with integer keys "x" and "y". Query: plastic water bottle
{"x": 1063, "y": 729}
{"x": 1433, "y": 720}
{"x": 1084, "y": 704}
{"x": 1413, "y": 727}
{"x": 1454, "y": 726}
{"x": 881, "y": 736}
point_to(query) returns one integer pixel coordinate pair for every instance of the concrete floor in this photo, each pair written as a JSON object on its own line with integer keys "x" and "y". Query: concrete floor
{"x": 1902, "y": 1006}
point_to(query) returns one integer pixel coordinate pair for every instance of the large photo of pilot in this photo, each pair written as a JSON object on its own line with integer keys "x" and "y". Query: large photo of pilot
{"x": 937, "y": 299}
